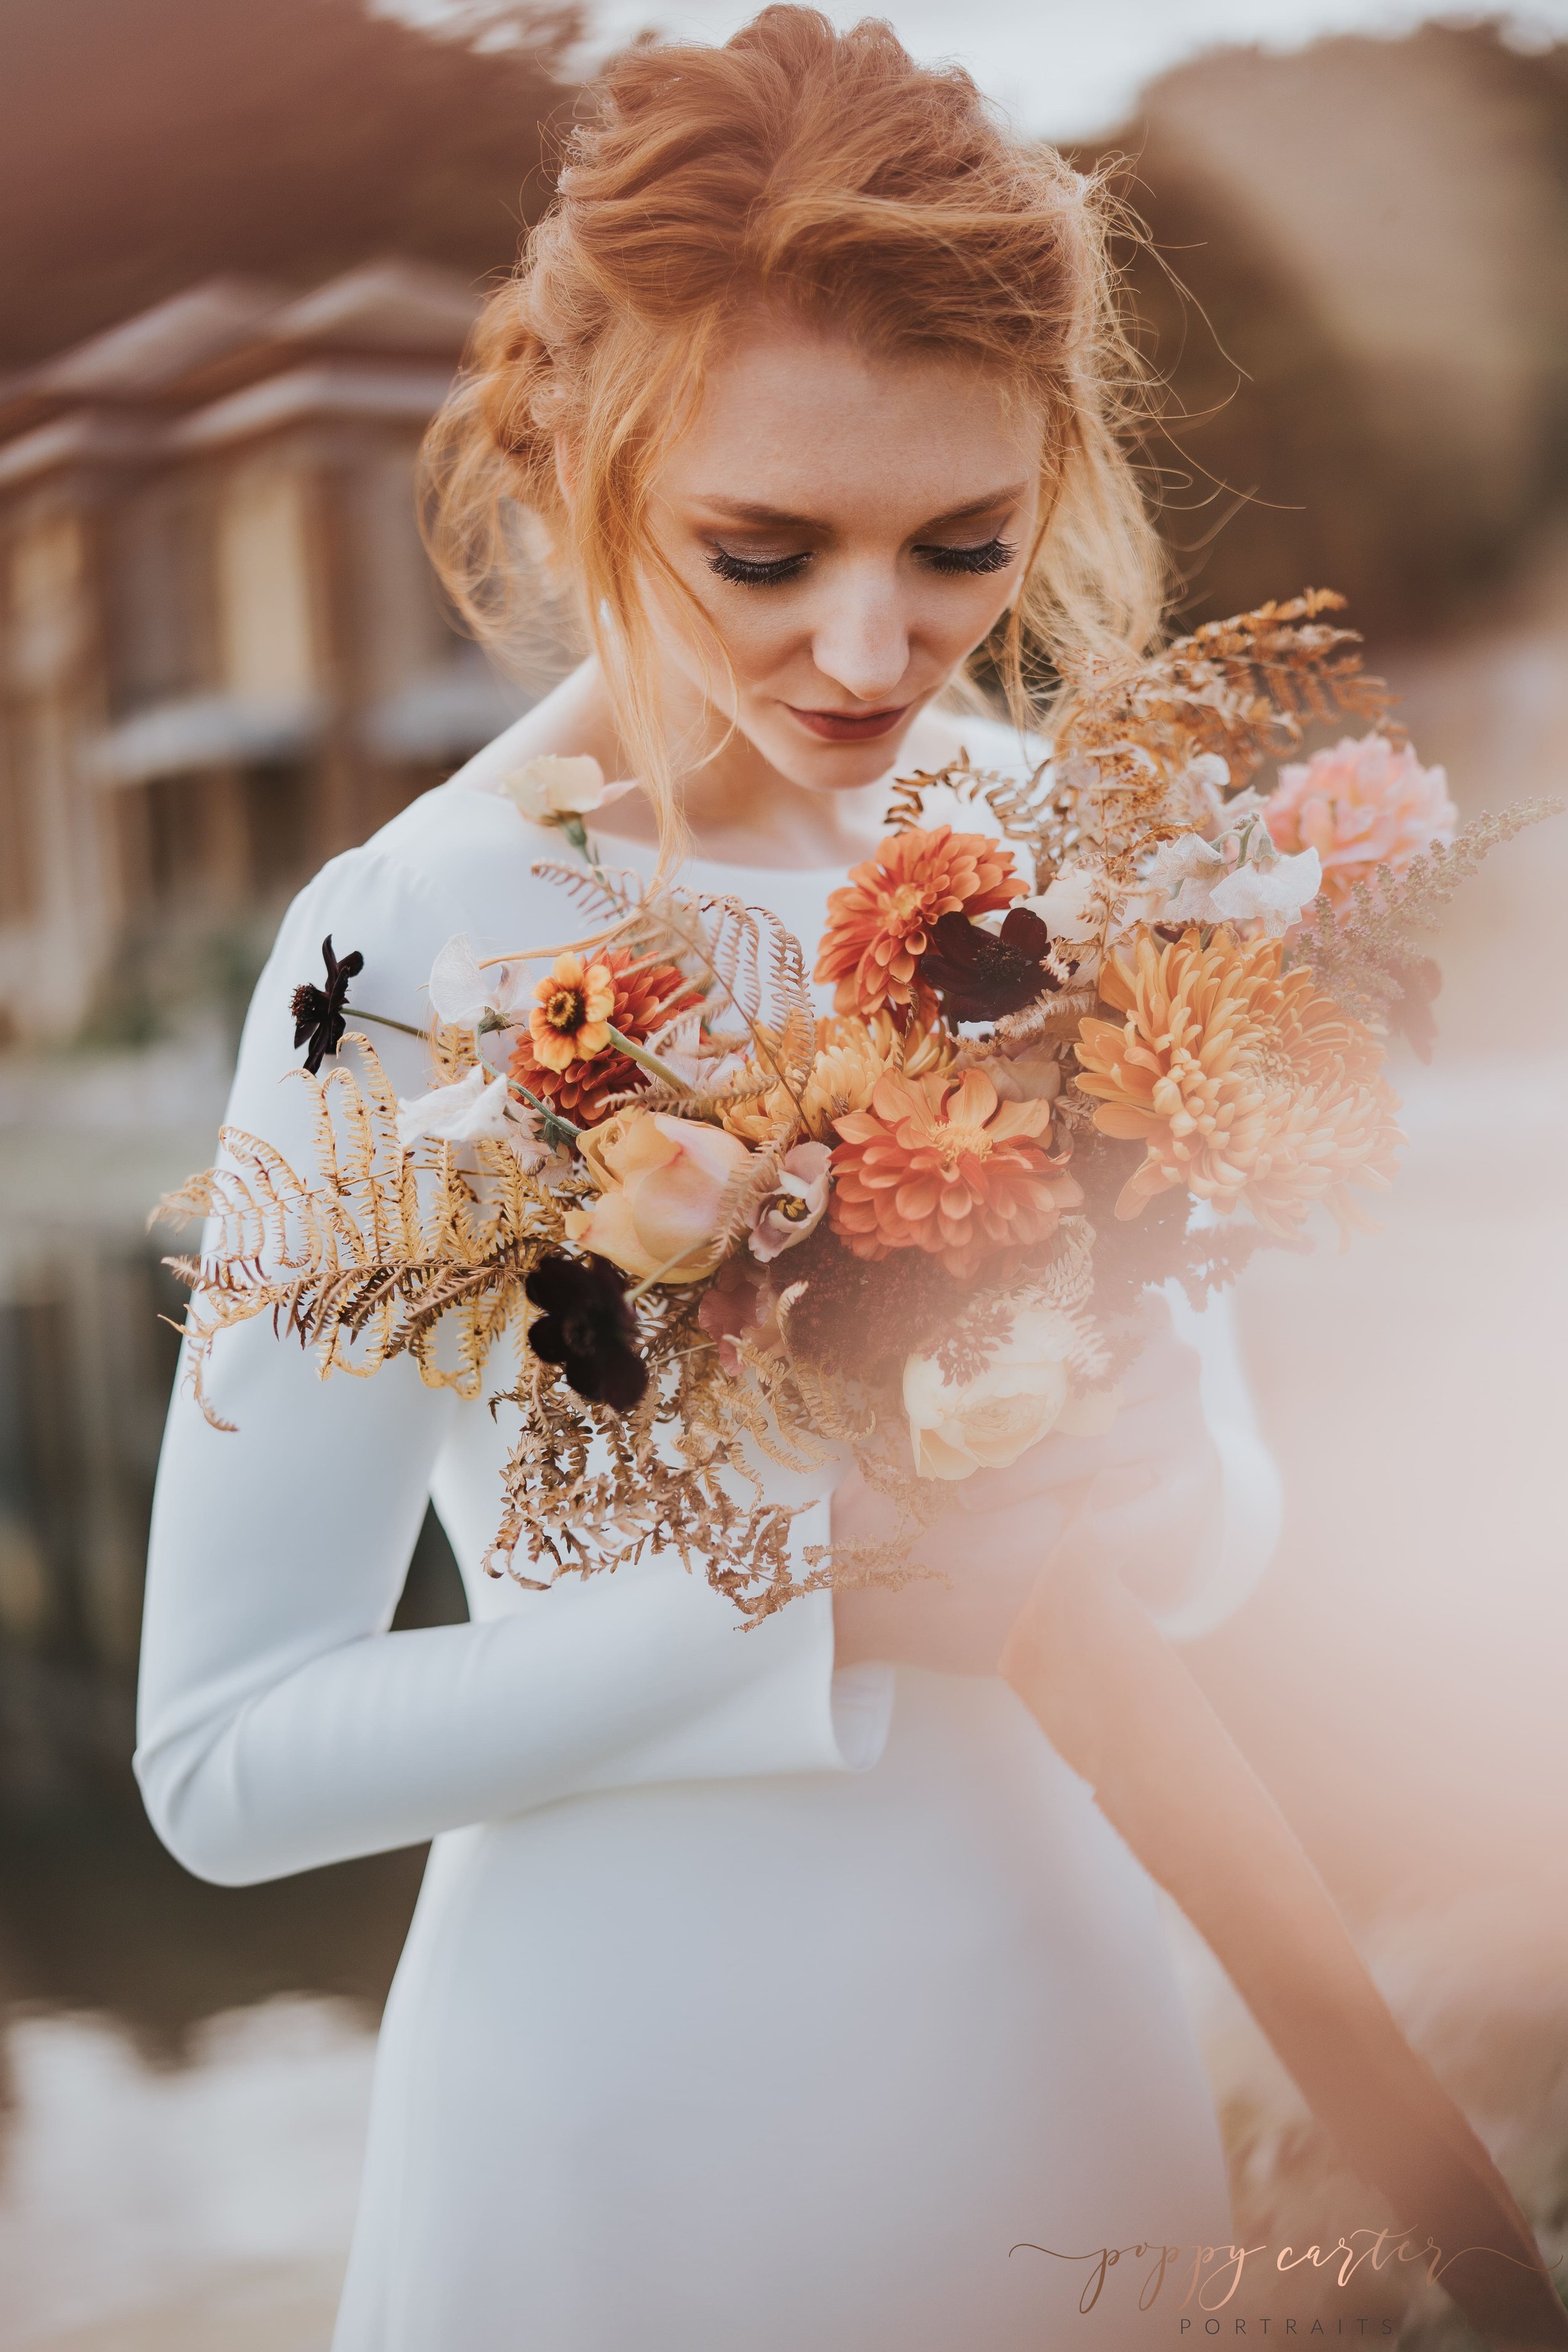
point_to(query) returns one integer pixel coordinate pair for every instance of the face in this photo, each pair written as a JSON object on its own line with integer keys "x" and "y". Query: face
{"x": 851, "y": 527}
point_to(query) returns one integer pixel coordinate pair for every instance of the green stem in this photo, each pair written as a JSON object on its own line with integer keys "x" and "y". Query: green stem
{"x": 649, "y": 1062}
{"x": 555, "y": 1125}
{"x": 355, "y": 1013}
{"x": 656, "y": 1275}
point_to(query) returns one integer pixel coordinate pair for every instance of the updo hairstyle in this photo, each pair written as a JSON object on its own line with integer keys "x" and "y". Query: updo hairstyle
{"x": 829, "y": 174}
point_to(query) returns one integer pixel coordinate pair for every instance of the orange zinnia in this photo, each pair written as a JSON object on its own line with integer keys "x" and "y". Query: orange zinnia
{"x": 938, "y": 1164}
{"x": 1248, "y": 1084}
{"x": 566, "y": 1054}
{"x": 880, "y": 922}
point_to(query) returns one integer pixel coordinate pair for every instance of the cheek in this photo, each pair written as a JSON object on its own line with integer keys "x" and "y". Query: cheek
{"x": 755, "y": 634}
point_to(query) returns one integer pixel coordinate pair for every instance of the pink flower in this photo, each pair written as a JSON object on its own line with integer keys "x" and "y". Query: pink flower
{"x": 737, "y": 1304}
{"x": 1365, "y": 806}
{"x": 794, "y": 1206}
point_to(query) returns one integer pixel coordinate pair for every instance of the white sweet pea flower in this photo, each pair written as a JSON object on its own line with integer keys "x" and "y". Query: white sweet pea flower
{"x": 552, "y": 787}
{"x": 465, "y": 997}
{"x": 477, "y": 1108}
{"x": 1240, "y": 878}
{"x": 1072, "y": 907}
{"x": 1205, "y": 779}
{"x": 1272, "y": 890}
{"x": 1181, "y": 877}
{"x": 1075, "y": 907}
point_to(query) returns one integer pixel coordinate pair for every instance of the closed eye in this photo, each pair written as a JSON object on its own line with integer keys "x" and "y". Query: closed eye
{"x": 752, "y": 573}
{"x": 992, "y": 555}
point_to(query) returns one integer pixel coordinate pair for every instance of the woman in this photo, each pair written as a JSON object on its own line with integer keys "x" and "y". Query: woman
{"x": 765, "y": 1990}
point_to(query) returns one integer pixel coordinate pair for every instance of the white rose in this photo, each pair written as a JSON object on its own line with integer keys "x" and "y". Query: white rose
{"x": 985, "y": 1422}
{"x": 552, "y": 787}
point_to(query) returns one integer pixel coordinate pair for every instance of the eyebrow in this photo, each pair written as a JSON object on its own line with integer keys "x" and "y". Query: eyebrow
{"x": 745, "y": 510}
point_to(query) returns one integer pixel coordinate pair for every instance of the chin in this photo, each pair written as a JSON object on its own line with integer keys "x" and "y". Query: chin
{"x": 830, "y": 767}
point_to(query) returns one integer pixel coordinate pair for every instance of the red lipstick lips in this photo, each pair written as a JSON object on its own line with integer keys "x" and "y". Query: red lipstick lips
{"x": 838, "y": 727}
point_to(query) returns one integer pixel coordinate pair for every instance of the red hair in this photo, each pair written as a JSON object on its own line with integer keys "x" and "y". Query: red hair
{"x": 829, "y": 172}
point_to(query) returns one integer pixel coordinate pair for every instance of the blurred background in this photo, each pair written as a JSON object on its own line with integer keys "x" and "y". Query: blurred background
{"x": 245, "y": 240}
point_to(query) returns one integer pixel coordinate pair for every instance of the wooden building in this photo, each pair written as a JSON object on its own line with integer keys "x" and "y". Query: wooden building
{"x": 223, "y": 655}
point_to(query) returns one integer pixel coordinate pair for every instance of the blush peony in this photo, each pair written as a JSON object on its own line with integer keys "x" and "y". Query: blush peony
{"x": 1367, "y": 807}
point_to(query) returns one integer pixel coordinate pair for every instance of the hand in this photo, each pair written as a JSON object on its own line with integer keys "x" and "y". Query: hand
{"x": 1002, "y": 1524}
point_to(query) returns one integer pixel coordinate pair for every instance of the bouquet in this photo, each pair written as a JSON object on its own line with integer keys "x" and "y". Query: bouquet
{"x": 1124, "y": 1020}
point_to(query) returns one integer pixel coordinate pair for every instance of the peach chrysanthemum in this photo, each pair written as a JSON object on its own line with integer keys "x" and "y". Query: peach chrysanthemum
{"x": 567, "y": 1054}
{"x": 851, "y": 1056}
{"x": 1248, "y": 1086}
{"x": 1366, "y": 806}
{"x": 879, "y": 921}
{"x": 939, "y": 1163}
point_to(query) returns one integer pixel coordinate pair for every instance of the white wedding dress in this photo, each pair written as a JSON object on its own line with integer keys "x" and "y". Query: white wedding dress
{"x": 748, "y": 2006}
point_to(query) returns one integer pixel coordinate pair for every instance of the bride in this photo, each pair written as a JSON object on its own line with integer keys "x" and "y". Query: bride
{"x": 778, "y": 1989}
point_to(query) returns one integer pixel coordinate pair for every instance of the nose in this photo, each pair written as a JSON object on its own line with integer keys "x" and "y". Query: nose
{"x": 862, "y": 636}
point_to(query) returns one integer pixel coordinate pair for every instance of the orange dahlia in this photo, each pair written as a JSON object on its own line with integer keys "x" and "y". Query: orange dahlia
{"x": 566, "y": 1056}
{"x": 1247, "y": 1084}
{"x": 880, "y": 922}
{"x": 939, "y": 1163}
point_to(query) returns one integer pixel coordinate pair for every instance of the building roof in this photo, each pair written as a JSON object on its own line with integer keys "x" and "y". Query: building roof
{"x": 213, "y": 351}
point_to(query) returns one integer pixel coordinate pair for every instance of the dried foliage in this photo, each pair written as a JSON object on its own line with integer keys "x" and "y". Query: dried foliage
{"x": 383, "y": 1252}
{"x": 1366, "y": 954}
{"x": 364, "y": 1262}
{"x": 1243, "y": 690}
{"x": 751, "y": 968}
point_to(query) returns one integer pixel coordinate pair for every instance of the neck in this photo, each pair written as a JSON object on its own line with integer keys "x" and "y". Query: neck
{"x": 739, "y": 809}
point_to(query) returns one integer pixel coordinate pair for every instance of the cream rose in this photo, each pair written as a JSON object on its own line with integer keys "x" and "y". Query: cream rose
{"x": 660, "y": 1182}
{"x": 983, "y": 1423}
{"x": 552, "y": 787}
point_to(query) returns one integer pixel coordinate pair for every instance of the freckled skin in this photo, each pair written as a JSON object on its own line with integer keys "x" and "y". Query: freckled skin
{"x": 895, "y": 470}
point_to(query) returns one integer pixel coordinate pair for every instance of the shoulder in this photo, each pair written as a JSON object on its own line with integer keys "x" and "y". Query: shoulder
{"x": 457, "y": 859}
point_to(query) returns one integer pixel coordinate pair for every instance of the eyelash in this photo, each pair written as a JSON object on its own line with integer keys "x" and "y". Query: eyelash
{"x": 992, "y": 555}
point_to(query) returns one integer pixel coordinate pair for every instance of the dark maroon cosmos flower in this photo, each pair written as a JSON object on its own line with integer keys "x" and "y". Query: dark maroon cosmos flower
{"x": 588, "y": 1327}
{"x": 981, "y": 976}
{"x": 319, "y": 1022}
{"x": 1411, "y": 1013}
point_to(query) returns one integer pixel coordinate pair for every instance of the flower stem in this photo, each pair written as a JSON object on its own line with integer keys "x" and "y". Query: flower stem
{"x": 656, "y": 1275}
{"x": 357, "y": 1013}
{"x": 555, "y": 1125}
{"x": 649, "y": 1062}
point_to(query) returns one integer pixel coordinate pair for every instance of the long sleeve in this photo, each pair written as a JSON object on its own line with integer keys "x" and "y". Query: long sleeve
{"x": 281, "y": 1724}
{"x": 1243, "y": 1531}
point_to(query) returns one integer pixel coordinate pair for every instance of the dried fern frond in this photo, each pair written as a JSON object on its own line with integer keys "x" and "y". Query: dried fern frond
{"x": 368, "y": 1260}
{"x": 1020, "y": 805}
{"x": 748, "y": 962}
{"x": 1244, "y": 689}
